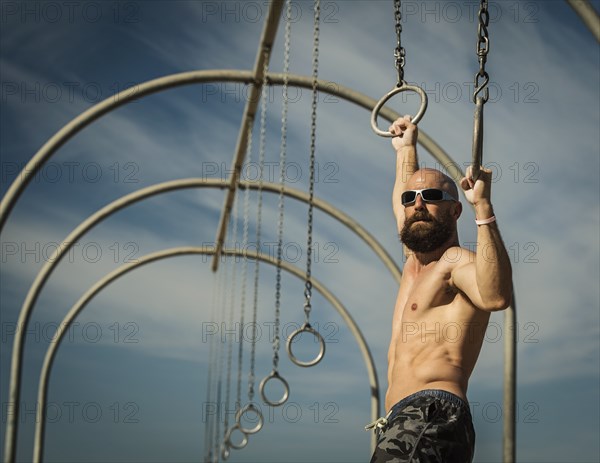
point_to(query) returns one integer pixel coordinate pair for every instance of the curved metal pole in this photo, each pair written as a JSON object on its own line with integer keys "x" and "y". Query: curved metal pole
{"x": 153, "y": 86}
{"x": 185, "y": 78}
{"x": 510, "y": 382}
{"x": 588, "y": 15}
{"x": 49, "y": 266}
{"x": 115, "y": 274}
{"x": 68, "y": 131}
{"x": 369, "y": 103}
{"x": 359, "y": 99}
{"x": 342, "y": 217}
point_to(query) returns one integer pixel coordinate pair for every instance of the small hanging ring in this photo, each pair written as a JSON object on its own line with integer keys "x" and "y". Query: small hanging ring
{"x": 229, "y": 443}
{"x": 243, "y": 411}
{"x": 402, "y": 88}
{"x": 306, "y": 328}
{"x": 274, "y": 375}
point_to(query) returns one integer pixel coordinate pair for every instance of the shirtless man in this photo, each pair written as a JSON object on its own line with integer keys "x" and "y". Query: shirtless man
{"x": 442, "y": 310}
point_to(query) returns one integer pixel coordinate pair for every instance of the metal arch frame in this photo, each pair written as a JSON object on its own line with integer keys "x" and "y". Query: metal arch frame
{"x": 68, "y": 131}
{"x": 588, "y": 15}
{"x": 186, "y": 78}
{"x": 108, "y": 210}
{"x": 181, "y": 251}
{"x": 583, "y": 8}
{"x": 95, "y": 112}
{"x": 86, "y": 118}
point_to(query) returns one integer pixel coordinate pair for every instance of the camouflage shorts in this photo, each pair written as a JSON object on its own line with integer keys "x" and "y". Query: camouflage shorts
{"x": 426, "y": 427}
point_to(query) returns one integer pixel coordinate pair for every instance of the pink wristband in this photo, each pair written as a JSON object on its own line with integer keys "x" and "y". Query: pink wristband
{"x": 485, "y": 221}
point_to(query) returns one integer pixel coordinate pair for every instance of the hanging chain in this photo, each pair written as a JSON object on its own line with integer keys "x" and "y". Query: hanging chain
{"x": 217, "y": 443}
{"x": 401, "y": 85}
{"x": 483, "y": 47}
{"x": 244, "y": 264}
{"x": 220, "y": 363}
{"x": 313, "y": 136}
{"x": 399, "y": 52}
{"x": 230, "y": 320}
{"x": 282, "y": 155}
{"x": 261, "y": 163}
{"x": 208, "y": 433}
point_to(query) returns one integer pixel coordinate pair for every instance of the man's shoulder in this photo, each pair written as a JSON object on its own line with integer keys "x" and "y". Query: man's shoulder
{"x": 454, "y": 256}
{"x": 457, "y": 256}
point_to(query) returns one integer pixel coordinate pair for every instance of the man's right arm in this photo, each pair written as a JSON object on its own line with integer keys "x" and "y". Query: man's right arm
{"x": 404, "y": 144}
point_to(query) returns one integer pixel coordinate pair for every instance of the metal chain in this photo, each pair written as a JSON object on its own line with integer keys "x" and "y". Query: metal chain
{"x": 313, "y": 136}
{"x": 282, "y": 155}
{"x": 230, "y": 320}
{"x": 261, "y": 163}
{"x": 246, "y": 214}
{"x": 217, "y": 444}
{"x": 399, "y": 52}
{"x": 483, "y": 48}
{"x": 208, "y": 433}
{"x": 220, "y": 364}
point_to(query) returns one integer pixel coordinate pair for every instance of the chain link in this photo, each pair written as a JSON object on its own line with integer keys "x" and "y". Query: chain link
{"x": 399, "y": 52}
{"x": 282, "y": 156}
{"x": 208, "y": 432}
{"x": 261, "y": 163}
{"x": 313, "y": 137}
{"x": 246, "y": 214}
{"x": 483, "y": 48}
{"x": 234, "y": 219}
{"x": 221, "y": 360}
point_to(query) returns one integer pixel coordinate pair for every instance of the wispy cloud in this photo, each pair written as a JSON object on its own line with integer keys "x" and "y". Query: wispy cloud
{"x": 541, "y": 136}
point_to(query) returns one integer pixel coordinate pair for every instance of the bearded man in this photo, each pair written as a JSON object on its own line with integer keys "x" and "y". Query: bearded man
{"x": 442, "y": 310}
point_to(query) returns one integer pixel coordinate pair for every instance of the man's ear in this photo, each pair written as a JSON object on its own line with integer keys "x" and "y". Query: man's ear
{"x": 457, "y": 210}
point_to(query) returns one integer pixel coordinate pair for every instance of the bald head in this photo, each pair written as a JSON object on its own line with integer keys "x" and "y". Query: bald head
{"x": 432, "y": 178}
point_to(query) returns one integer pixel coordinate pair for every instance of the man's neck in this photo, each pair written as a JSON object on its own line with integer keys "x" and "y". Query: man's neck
{"x": 421, "y": 259}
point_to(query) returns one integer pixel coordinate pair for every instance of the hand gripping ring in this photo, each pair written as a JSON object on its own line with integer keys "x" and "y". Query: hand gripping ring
{"x": 246, "y": 409}
{"x": 403, "y": 88}
{"x": 229, "y": 443}
{"x": 309, "y": 329}
{"x": 274, "y": 375}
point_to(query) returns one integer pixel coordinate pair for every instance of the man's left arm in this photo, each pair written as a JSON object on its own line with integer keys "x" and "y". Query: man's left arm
{"x": 488, "y": 280}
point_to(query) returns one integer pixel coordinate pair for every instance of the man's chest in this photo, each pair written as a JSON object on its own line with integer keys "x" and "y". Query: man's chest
{"x": 426, "y": 289}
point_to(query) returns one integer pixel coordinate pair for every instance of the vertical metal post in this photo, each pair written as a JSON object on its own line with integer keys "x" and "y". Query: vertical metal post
{"x": 510, "y": 383}
{"x": 477, "y": 138}
{"x": 266, "y": 42}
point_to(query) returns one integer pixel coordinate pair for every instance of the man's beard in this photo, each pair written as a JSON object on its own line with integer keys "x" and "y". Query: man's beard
{"x": 428, "y": 235}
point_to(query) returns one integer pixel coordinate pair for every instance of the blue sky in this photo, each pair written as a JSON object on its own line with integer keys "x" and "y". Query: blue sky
{"x": 130, "y": 383}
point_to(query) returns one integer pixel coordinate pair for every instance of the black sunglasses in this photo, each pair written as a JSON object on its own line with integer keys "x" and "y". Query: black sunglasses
{"x": 429, "y": 195}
